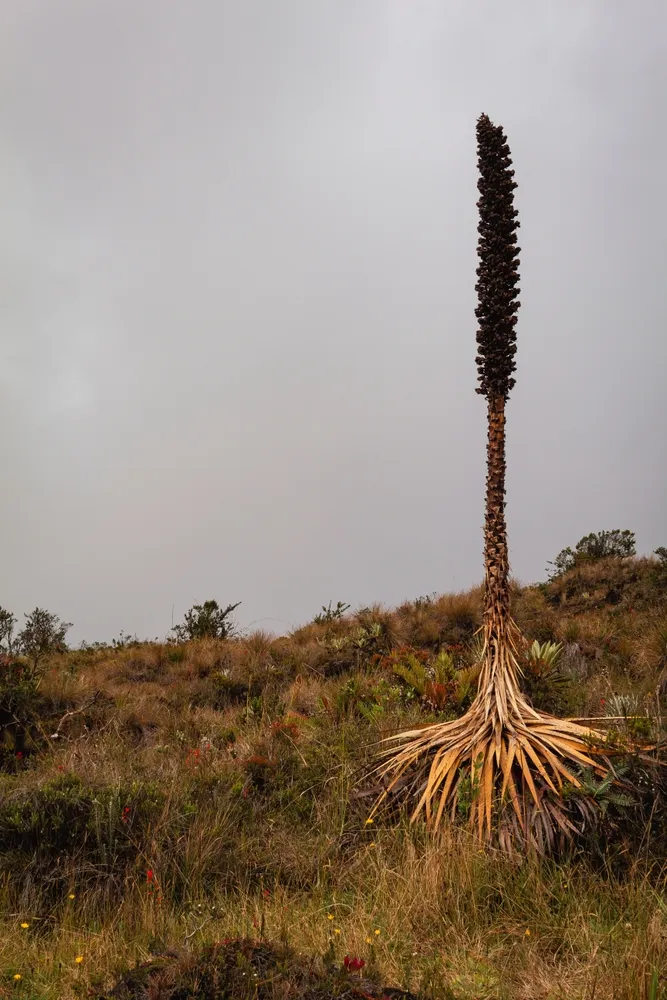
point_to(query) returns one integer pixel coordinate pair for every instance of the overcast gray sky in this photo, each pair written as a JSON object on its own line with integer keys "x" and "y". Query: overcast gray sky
{"x": 237, "y": 267}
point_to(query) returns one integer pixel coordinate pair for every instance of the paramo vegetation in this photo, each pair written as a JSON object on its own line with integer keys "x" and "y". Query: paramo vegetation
{"x": 161, "y": 798}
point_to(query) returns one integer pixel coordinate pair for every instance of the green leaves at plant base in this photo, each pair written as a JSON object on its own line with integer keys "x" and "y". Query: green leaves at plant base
{"x": 436, "y": 681}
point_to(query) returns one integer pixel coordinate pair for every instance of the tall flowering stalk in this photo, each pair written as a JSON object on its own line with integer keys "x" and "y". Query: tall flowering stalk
{"x": 509, "y": 759}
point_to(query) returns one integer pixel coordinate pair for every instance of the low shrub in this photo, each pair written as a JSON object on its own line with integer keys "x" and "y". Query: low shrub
{"x": 248, "y": 969}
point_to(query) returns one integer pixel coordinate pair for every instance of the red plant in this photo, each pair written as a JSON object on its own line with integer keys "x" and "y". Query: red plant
{"x": 353, "y": 964}
{"x": 284, "y": 728}
{"x": 153, "y": 885}
{"x": 257, "y": 761}
{"x": 154, "y": 888}
{"x": 437, "y": 694}
{"x": 125, "y": 815}
{"x": 151, "y": 881}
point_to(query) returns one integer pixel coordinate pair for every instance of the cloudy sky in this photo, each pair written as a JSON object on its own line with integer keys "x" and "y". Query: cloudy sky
{"x": 237, "y": 267}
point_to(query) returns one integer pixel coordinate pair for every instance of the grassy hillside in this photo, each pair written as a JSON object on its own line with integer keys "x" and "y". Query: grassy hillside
{"x": 176, "y": 795}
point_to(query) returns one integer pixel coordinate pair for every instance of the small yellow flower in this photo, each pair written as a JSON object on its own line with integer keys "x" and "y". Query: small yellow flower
{"x": 527, "y": 934}
{"x": 18, "y": 976}
{"x": 79, "y": 959}
{"x": 377, "y": 930}
{"x": 369, "y": 940}
{"x": 372, "y": 843}
{"x": 369, "y": 821}
{"x": 71, "y": 896}
{"x": 336, "y": 930}
{"x": 330, "y": 916}
{"x": 25, "y": 926}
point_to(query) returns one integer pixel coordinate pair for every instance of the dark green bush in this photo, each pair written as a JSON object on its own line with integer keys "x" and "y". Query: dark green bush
{"x": 42, "y": 635}
{"x": 659, "y": 575}
{"x": 206, "y": 621}
{"x": 64, "y": 817}
{"x": 20, "y": 704}
{"x": 591, "y": 548}
{"x": 249, "y": 970}
{"x": 7, "y": 623}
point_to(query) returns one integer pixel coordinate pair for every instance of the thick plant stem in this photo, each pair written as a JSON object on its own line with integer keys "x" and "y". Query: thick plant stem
{"x": 499, "y": 678}
{"x": 495, "y": 532}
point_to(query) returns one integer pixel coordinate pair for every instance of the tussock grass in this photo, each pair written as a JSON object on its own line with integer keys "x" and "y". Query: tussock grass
{"x": 447, "y": 914}
{"x": 244, "y": 804}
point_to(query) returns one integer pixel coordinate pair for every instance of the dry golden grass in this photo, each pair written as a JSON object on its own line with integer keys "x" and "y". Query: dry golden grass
{"x": 449, "y": 616}
{"x": 447, "y": 916}
{"x": 450, "y": 918}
